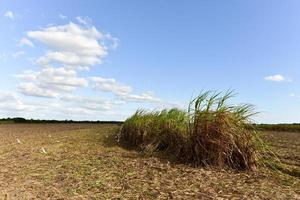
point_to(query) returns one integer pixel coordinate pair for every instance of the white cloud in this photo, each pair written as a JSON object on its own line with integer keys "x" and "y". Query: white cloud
{"x": 61, "y": 16}
{"x": 5, "y": 56}
{"x": 110, "y": 85}
{"x": 277, "y": 78}
{"x": 79, "y": 107}
{"x": 67, "y": 58}
{"x": 11, "y": 102}
{"x": 72, "y": 44}
{"x": 71, "y": 48}
{"x": 25, "y": 42}
{"x": 144, "y": 97}
{"x": 91, "y": 103}
{"x": 70, "y": 37}
{"x": 31, "y": 89}
{"x": 50, "y": 82}
{"x": 9, "y": 14}
{"x": 83, "y": 21}
{"x": 71, "y": 107}
{"x": 18, "y": 53}
{"x": 113, "y": 41}
{"x": 122, "y": 91}
{"x": 56, "y": 76}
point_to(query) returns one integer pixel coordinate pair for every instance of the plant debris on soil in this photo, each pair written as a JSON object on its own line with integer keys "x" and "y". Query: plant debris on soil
{"x": 85, "y": 161}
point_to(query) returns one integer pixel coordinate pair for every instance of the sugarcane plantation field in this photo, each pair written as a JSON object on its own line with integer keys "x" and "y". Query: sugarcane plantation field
{"x": 86, "y": 161}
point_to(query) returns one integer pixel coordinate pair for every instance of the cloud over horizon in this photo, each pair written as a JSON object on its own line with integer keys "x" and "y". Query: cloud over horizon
{"x": 71, "y": 52}
{"x": 49, "y": 82}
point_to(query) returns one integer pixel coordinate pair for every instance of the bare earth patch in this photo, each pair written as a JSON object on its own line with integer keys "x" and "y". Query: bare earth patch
{"x": 83, "y": 161}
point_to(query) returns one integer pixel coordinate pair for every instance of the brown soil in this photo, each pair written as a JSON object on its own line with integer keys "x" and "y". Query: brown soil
{"x": 81, "y": 161}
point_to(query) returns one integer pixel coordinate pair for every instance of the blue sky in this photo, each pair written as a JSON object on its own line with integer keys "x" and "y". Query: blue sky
{"x": 101, "y": 60}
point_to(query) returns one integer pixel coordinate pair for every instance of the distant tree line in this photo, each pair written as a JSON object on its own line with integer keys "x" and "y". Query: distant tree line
{"x": 23, "y": 120}
{"x": 295, "y": 127}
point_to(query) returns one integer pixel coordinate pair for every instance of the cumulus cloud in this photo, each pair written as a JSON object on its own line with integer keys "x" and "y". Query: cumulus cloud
{"x": 144, "y": 97}
{"x": 122, "y": 91}
{"x": 72, "y": 44}
{"x": 70, "y": 111}
{"x": 91, "y": 103}
{"x": 110, "y": 85}
{"x": 11, "y": 102}
{"x": 49, "y": 82}
{"x": 277, "y": 78}
{"x": 32, "y": 89}
{"x": 67, "y": 58}
{"x": 71, "y": 48}
{"x": 9, "y": 14}
{"x": 68, "y": 107}
{"x": 25, "y": 42}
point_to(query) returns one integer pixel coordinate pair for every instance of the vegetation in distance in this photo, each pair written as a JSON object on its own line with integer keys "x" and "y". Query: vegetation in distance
{"x": 295, "y": 127}
{"x": 23, "y": 120}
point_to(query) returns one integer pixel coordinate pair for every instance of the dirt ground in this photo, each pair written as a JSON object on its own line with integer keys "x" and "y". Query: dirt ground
{"x": 82, "y": 161}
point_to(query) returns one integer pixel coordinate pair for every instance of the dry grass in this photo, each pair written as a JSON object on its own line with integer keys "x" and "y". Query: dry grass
{"x": 286, "y": 148}
{"x": 211, "y": 133}
{"x": 86, "y": 162}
